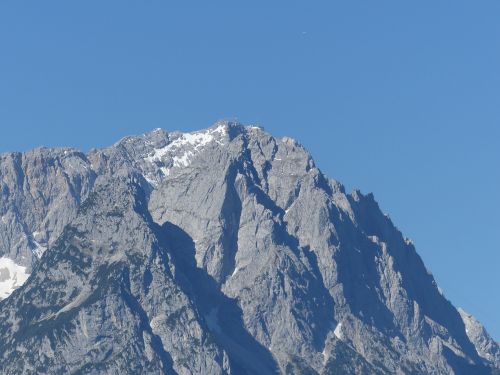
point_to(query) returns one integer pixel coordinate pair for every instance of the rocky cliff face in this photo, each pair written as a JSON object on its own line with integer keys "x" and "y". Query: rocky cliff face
{"x": 224, "y": 251}
{"x": 486, "y": 347}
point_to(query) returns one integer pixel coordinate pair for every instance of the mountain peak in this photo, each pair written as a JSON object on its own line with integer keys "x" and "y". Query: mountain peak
{"x": 224, "y": 250}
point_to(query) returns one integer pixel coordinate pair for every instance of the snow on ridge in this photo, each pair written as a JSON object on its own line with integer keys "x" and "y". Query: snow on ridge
{"x": 12, "y": 276}
{"x": 183, "y": 148}
{"x": 197, "y": 140}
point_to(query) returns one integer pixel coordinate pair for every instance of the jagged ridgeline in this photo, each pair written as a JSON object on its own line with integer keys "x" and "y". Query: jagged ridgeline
{"x": 223, "y": 251}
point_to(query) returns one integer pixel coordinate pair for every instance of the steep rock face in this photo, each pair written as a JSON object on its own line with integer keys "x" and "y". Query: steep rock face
{"x": 104, "y": 300}
{"x": 40, "y": 193}
{"x": 220, "y": 251}
{"x": 486, "y": 347}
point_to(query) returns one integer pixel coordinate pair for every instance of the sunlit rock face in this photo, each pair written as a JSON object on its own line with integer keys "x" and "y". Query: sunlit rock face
{"x": 222, "y": 251}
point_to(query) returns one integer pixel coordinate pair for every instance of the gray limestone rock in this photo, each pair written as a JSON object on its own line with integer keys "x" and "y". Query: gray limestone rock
{"x": 486, "y": 347}
{"x": 223, "y": 251}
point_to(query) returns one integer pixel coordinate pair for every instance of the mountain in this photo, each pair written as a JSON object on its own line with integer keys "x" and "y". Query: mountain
{"x": 223, "y": 251}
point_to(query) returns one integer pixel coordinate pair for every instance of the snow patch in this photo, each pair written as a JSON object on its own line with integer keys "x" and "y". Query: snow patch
{"x": 338, "y": 331}
{"x": 39, "y": 249}
{"x": 182, "y": 149}
{"x": 12, "y": 276}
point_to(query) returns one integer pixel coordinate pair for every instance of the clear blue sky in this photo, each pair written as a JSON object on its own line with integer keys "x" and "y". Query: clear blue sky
{"x": 396, "y": 97}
